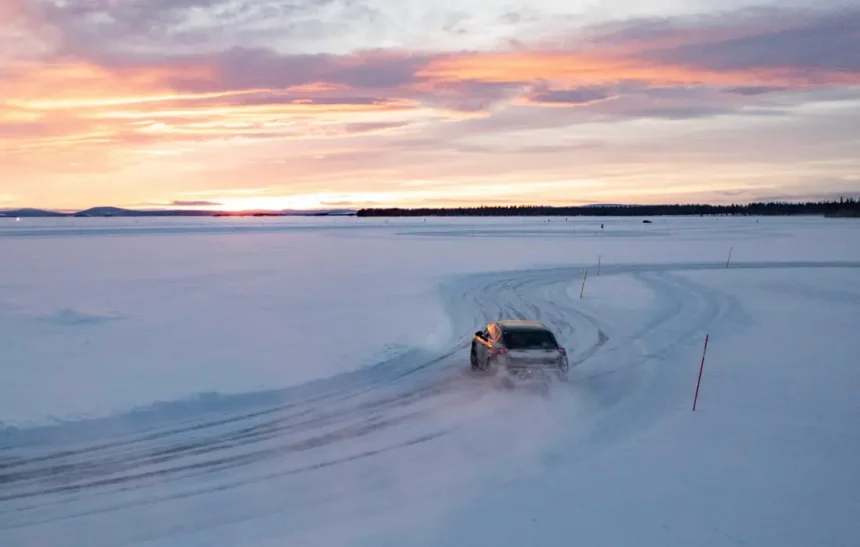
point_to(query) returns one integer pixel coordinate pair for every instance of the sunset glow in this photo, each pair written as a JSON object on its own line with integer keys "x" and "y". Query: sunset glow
{"x": 105, "y": 103}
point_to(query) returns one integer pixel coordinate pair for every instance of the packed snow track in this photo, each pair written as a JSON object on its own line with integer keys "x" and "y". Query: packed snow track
{"x": 416, "y": 426}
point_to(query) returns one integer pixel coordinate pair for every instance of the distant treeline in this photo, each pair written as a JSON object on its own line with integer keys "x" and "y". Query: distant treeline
{"x": 843, "y": 208}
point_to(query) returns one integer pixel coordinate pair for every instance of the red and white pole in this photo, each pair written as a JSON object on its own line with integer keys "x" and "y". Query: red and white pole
{"x": 701, "y": 367}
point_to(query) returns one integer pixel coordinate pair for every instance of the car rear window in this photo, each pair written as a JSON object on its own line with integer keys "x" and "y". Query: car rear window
{"x": 529, "y": 339}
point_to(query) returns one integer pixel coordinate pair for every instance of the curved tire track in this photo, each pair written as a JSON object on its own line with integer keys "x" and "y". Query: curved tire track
{"x": 46, "y": 472}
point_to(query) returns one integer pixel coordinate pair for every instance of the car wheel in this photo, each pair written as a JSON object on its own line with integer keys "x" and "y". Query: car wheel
{"x": 490, "y": 367}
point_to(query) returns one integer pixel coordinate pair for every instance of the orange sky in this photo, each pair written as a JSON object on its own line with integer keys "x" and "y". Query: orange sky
{"x": 701, "y": 110}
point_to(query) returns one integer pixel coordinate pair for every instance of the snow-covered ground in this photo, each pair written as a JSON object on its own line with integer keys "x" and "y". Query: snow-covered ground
{"x": 269, "y": 382}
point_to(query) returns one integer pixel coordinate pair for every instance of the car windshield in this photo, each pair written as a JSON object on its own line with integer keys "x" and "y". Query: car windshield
{"x": 529, "y": 339}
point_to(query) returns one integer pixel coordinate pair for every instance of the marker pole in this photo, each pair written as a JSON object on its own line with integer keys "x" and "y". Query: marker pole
{"x": 584, "y": 277}
{"x": 701, "y": 367}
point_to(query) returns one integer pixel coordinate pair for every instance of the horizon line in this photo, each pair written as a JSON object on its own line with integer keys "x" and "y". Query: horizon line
{"x": 224, "y": 212}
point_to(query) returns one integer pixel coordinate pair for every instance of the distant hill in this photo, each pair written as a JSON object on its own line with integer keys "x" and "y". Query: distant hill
{"x": 29, "y": 213}
{"x": 121, "y": 212}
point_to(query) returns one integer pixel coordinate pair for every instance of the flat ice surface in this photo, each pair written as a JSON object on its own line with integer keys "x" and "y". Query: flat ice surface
{"x": 304, "y": 381}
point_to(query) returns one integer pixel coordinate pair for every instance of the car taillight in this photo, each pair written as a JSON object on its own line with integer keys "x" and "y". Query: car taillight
{"x": 561, "y": 351}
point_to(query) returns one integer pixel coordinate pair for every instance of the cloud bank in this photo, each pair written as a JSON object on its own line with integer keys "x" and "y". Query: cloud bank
{"x": 96, "y": 90}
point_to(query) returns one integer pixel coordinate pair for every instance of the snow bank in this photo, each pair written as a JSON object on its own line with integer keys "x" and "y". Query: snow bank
{"x": 92, "y": 324}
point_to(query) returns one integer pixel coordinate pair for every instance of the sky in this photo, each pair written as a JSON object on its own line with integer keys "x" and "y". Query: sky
{"x": 273, "y": 104}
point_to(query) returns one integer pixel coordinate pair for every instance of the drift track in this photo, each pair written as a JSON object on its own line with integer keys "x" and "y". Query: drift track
{"x": 415, "y": 429}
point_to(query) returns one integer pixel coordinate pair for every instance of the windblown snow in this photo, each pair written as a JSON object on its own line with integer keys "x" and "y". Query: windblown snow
{"x": 270, "y": 382}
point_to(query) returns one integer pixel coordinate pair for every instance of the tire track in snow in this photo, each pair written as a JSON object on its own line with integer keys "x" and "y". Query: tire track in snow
{"x": 55, "y": 468}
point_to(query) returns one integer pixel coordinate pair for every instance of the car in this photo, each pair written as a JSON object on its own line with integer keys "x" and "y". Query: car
{"x": 519, "y": 350}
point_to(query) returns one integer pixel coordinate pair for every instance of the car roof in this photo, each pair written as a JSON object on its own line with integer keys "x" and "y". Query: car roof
{"x": 521, "y": 324}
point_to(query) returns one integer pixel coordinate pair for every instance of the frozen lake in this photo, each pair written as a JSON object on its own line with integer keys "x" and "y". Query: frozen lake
{"x": 304, "y": 381}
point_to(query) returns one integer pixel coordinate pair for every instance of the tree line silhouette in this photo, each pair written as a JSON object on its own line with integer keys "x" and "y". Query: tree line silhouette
{"x": 843, "y": 208}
